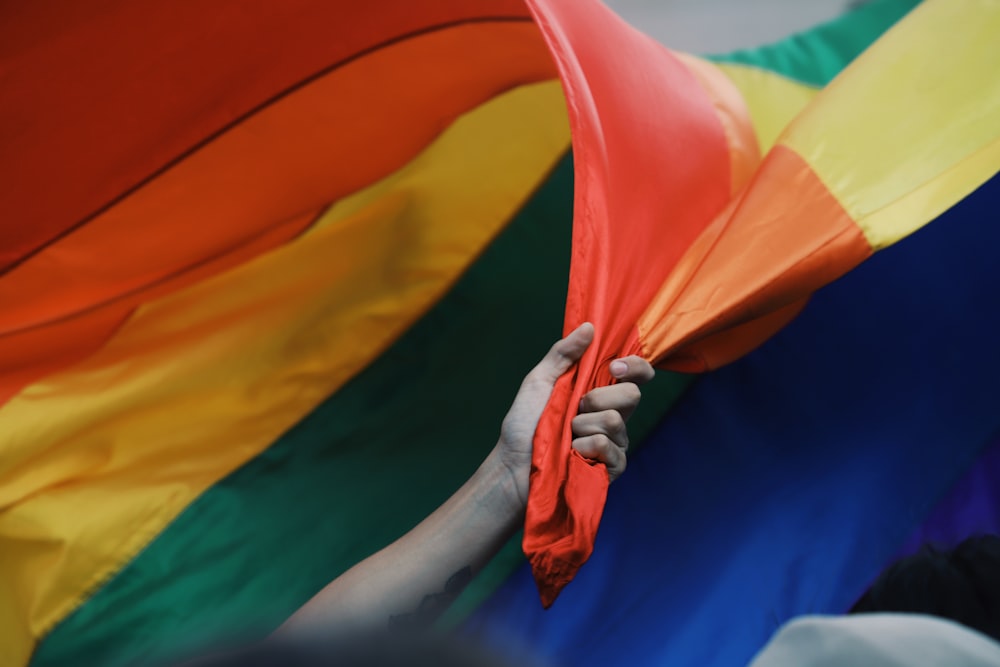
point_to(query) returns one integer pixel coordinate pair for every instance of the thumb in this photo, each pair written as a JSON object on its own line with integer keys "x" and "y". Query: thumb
{"x": 521, "y": 421}
{"x": 566, "y": 352}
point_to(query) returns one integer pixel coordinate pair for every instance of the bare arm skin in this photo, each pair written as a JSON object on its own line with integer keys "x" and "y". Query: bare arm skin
{"x": 411, "y": 581}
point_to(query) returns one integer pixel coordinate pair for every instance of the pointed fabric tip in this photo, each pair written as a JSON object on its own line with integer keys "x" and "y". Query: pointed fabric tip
{"x": 673, "y": 246}
{"x": 558, "y": 540}
{"x": 552, "y": 574}
{"x": 548, "y": 588}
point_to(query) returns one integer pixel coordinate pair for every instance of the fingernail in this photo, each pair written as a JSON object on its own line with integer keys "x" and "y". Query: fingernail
{"x": 619, "y": 368}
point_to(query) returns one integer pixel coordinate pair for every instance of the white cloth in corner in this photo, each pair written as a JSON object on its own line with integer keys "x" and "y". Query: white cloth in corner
{"x": 877, "y": 640}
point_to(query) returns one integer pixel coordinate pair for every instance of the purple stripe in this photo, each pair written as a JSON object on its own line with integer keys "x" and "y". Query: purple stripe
{"x": 972, "y": 506}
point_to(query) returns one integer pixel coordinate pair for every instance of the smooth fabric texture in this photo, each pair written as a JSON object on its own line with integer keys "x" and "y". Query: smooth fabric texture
{"x": 931, "y": 137}
{"x": 843, "y": 180}
{"x": 260, "y": 542}
{"x": 92, "y": 124}
{"x": 660, "y": 183}
{"x": 772, "y": 99}
{"x": 247, "y": 189}
{"x": 78, "y": 631}
{"x": 972, "y": 507}
{"x": 929, "y": 134}
{"x": 782, "y": 484}
{"x": 878, "y": 640}
{"x": 199, "y": 382}
{"x": 778, "y": 80}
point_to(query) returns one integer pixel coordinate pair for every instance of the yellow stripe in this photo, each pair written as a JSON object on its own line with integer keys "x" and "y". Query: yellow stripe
{"x": 913, "y": 125}
{"x": 774, "y": 100}
{"x": 94, "y": 462}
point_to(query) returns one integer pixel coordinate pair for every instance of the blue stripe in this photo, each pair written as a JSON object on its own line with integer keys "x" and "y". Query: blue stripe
{"x": 781, "y": 484}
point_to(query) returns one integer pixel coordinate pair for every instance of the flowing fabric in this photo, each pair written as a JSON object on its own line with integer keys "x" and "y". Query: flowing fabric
{"x": 714, "y": 268}
{"x": 243, "y": 238}
{"x": 783, "y": 483}
{"x": 646, "y": 187}
{"x": 216, "y": 217}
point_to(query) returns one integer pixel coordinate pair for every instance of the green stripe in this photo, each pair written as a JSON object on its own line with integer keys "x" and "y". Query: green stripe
{"x": 257, "y": 545}
{"x": 816, "y": 56}
{"x": 362, "y": 469}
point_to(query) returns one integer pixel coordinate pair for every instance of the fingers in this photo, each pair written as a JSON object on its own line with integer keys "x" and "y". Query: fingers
{"x": 566, "y": 352}
{"x": 632, "y": 369}
{"x": 519, "y": 425}
{"x": 608, "y": 423}
{"x": 602, "y": 436}
{"x": 599, "y": 430}
{"x": 622, "y": 397}
{"x": 601, "y": 448}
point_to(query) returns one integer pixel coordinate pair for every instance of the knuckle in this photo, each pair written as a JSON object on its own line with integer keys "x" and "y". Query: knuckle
{"x": 612, "y": 421}
{"x": 583, "y": 446}
{"x": 630, "y": 392}
{"x": 643, "y": 370}
{"x": 558, "y": 351}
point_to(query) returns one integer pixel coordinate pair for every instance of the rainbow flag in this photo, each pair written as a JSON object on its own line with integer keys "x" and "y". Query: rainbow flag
{"x": 691, "y": 250}
{"x": 253, "y": 252}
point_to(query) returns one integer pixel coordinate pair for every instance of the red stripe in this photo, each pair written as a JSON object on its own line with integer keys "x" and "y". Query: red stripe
{"x": 652, "y": 169}
{"x": 98, "y": 97}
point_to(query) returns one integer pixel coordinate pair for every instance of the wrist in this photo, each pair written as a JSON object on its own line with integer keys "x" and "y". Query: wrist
{"x": 507, "y": 485}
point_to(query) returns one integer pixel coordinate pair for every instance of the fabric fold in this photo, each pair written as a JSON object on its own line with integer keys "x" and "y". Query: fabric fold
{"x": 674, "y": 258}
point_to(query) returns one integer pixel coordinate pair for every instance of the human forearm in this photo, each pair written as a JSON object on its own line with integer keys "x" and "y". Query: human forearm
{"x": 411, "y": 581}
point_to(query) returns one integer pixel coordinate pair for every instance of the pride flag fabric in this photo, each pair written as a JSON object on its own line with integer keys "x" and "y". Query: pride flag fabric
{"x": 257, "y": 260}
{"x": 690, "y": 253}
{"x": 782, "y": 484}
{"x": 216, "y": 218}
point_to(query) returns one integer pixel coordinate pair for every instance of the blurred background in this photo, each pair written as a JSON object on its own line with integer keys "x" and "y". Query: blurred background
{"x": 697, "y": 26}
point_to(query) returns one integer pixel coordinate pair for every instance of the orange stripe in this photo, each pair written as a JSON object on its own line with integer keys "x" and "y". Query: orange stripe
{"x": 99, "y": 96}
{"x": 245, "y": 355}
{"x": 728, "y": 345}
{"x": 291, "y": 158}
{"x": 30, "y": 354}
{"x": 784, "y": 239}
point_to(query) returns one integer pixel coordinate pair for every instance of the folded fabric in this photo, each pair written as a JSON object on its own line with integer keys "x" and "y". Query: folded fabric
{"x": 689, "y": 250}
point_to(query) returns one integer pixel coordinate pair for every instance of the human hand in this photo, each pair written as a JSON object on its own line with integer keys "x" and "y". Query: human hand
{"x": 599, "y": 428}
